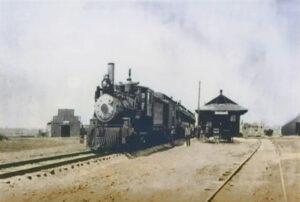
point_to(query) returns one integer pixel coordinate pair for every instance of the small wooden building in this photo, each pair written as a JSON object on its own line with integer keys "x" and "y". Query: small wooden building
{"x": 220, "y": 117}
{"x": 64, "y": 124}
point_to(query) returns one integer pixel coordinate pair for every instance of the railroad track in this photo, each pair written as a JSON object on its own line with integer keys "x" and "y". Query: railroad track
{"x": 280, "y": 170}
{"x": 34, "y": 165}
{"x": 211, "y": 197}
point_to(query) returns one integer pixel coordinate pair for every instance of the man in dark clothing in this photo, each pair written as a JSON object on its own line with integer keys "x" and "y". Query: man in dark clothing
{"x": 82, "y": 133}
{"x": 173, "y": 133}
{"x": 198, "y": 131}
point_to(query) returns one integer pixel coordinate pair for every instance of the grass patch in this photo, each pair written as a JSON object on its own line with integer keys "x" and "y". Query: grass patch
{"x": 20, "y": 143}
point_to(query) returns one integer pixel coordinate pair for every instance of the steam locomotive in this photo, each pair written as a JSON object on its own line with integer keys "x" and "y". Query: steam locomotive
{"x": 131, "y": 114}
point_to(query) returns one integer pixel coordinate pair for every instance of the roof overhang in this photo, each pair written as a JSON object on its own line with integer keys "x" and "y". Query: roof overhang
{"x": 222, "y": 108}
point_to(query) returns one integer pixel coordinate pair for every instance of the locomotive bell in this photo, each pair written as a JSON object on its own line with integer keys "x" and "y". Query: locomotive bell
{"x": 106, "y": 107}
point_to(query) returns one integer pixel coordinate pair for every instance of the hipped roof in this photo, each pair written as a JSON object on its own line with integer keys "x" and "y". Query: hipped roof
{"x": 222, "y": 103}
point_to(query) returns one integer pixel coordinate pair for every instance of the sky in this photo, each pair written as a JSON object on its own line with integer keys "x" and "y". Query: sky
{"x": 54, "y": 54}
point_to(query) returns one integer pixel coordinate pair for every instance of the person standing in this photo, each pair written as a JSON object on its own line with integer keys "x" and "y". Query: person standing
{"x": 173, "y": 134}
{"x": 125, "y": 131}
{"x": 198, "y": 131}
{"x": 192, "y": 131}
{"x": 82, "y": 134}
{"x": 187, "y": 136}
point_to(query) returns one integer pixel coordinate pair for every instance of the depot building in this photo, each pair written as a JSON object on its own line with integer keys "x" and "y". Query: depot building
{"x": 220, "y": 117}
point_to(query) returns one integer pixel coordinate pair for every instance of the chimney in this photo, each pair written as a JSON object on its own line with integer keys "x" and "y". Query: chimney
{"x": 221, "y": 92}
{"x": 111, "y": 72}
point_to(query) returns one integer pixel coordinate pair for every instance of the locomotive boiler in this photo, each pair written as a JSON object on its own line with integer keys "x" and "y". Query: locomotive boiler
{"x": 130, "y": 114}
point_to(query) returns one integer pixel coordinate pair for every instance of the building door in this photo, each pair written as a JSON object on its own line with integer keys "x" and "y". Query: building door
{"x": 298, "y": 128}
{"x": 225, "y": 127}
{"x": 65, "y": 131}
{"x": 221, "y": 122}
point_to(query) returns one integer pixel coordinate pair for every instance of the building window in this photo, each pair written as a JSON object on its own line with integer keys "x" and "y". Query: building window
{"x": 233, "y": 118}
{"x": 209, "y": 124}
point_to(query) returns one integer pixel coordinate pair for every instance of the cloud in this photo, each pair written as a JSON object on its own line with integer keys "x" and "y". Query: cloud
{"x": 52, "y": 55}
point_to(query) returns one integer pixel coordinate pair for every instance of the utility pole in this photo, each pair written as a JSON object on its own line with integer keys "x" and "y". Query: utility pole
{"x": 199, "y": 96}
{"x": 198, "y": 108}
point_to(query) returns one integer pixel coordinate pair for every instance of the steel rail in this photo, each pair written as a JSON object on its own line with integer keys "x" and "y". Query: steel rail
{"x": 31, "y": 161}
{"x": 277, "y": 150}
{"x": 209, "y": 199}
{"x": 46, "y": 166}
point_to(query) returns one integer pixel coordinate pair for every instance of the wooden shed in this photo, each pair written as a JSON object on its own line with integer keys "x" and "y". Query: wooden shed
{"x": 292, "y": 127}
{"x": 220, "y": 117}
{"x": 64, "y": 124}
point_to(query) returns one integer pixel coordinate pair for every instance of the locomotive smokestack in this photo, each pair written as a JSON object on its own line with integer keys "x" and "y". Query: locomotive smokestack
{"x": 111, "y": 72}
{"x": 129, "y": 75}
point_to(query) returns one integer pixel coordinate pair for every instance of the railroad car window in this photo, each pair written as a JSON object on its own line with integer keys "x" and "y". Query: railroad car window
{"x": 149, "y": 103}
{"x": 143, "y": 95}
{"x": 151, "y": 97}
{"x": 148, "y": 97}
{"x": 232, "y": 118}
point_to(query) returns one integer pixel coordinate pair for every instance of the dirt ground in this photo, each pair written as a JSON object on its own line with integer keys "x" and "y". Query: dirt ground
{"x": 18, "y": 149}
{"x": 178, "y": 174}
{"x": 260, "y": 180}
{"x": 289, "y": 150}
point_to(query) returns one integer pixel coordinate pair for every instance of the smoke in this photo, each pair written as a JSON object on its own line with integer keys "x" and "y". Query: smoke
{"x": 53, "y": 55}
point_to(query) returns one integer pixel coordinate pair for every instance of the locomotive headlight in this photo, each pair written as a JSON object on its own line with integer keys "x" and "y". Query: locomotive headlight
{"x": 104, "y": 84}
{"x": 106, "y": 107}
